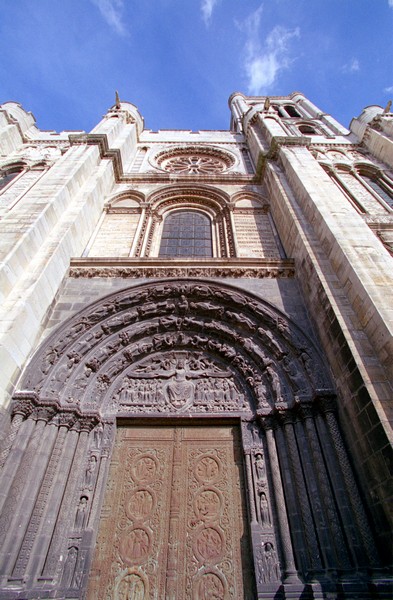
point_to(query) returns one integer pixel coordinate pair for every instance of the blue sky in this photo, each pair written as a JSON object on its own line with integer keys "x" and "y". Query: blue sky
{"x": 179, "y": 60}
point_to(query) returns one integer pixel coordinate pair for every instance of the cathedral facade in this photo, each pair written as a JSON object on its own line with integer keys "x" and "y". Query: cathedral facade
{"x": 196, "y": 350}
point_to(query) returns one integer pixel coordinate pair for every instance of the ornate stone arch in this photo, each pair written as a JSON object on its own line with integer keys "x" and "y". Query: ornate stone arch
{"x": 122, "y": 211}
{"x": 9, "y": 171}
{"x": 206, "y": 199}
{"x": 253, "y": 198}
{"x": 91, "y": 354}
{"x": 117, "y": 198}
{"x": 172, "y": 333}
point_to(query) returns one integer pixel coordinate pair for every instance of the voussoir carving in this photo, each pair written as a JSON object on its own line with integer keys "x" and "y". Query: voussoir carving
{"x": 178, "y": 346}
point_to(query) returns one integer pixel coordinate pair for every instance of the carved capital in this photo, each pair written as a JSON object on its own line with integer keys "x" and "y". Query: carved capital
{"x": 307, "y": 410}
{"x": 64, "y": 419}
{"x": 326, "y": 404}
{"x": 286, "y": 417}
{"x": 23, "y": 406}
{"x": 43, "y": 413}
{"x": 267, "y": 421}
{"x": 85, "y": 423}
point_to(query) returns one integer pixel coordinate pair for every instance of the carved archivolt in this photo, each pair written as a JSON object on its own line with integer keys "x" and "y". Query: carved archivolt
{"x": 144, "y": 350}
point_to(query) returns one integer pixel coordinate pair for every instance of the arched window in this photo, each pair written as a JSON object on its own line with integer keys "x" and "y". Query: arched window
{"x": 186, "y": 234}
{"x": 291, "y": 110}
{"x": 386, "y": 193}
{"x": 7, "y": 176}
{"x": 307, "y": 130}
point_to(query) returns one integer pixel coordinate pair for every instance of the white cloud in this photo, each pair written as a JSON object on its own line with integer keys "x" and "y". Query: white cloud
{"x": 207, "y": 7}
{"x": 390, "y": 2}
{"x": 389, "y": 89}
{"x": 352, "y": 67}
{"x": 263, "y": 62}
{"x": 111, "y": 10}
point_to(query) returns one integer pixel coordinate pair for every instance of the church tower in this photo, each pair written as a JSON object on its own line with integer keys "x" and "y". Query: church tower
{"x": 196, "y": 343}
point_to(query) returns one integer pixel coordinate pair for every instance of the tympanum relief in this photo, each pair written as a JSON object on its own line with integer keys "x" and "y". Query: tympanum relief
{"x": 180, "y": 381}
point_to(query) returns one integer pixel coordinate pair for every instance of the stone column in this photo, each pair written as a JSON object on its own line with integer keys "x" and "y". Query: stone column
{"x": 78, "y": 439}
{"x": 300, "y": 487}
{"x": 22, "y": 408}
{"x": 138, "y": 229}
{"x": 22, "y": 497}
{"x": 98, "y": 498}
{"x": 344, "y": 507}
{"x": 350, "y": 483}
{"x": 250, "y": 488}
{"x": 231, "y": 233}
{"x": 53, "y": 489}
{"x": 325, "y": 500}
{"x": 43, "y": 502}
{"x": 289, "y": 568}
{"x": 15, "y": 457}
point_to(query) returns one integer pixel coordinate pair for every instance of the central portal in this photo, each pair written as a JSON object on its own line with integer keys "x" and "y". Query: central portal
{"x": 173, "y": 525}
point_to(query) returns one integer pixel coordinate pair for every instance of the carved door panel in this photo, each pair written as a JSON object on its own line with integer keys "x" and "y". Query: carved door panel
{"x": 173, "y": 525}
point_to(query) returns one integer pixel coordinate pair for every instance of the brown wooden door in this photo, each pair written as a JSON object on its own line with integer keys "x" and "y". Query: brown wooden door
{"x": 173, "y": 522}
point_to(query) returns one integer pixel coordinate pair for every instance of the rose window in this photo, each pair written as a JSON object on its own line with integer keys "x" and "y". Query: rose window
{"x": 195, "y": 162}
{"x": 194, "y": 165}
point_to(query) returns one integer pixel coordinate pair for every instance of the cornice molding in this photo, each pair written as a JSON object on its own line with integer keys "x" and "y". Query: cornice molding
{"x": 135, "y": 268}
{"x": 100, "y": 140}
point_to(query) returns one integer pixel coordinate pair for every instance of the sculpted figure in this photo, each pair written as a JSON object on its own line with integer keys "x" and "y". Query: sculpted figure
{"x": 81, "y": 513}
{"x": 69, "y": 567}
{"x": 198, "y": 340}
{"x": 261, "y": 394}
{"x": 182, "y": 304}
{"x": 130, "y": 317}
{"x": 207, "y": 307}
{"x": 112, "y": 325}
{"x": 294, "y": 373}
{"x": 264, "y": 506}
{"x": 180, "y": 390}
{"x": 210, "y": 588}
{"x": 125, "y": 391}
{"x": 240, "y": 319}
{"x": 254, "y": 432}
{"x": 87, "y": 342}
{"x": 101, "y": 312}
{"x": 260, "y": 466}
{"x": 228, "y": 351}
{"x": 275, "y": 382}
{"x": 308, "y": 364}
{"x": 50, "y": 358}
{"x": 253, "y": 348}
{"x": 269, "y": 339}
{"x": 271, "y": 570}
{"x": 98, "y": 433}
{"x": 89, "y": 475}
{"x": 232, "y": 391}
{"x": 59, "y": 378}
{"x": 134, "y": 588}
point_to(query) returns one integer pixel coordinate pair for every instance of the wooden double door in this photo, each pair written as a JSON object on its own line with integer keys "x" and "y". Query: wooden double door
{"x": 173, "y": 525}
